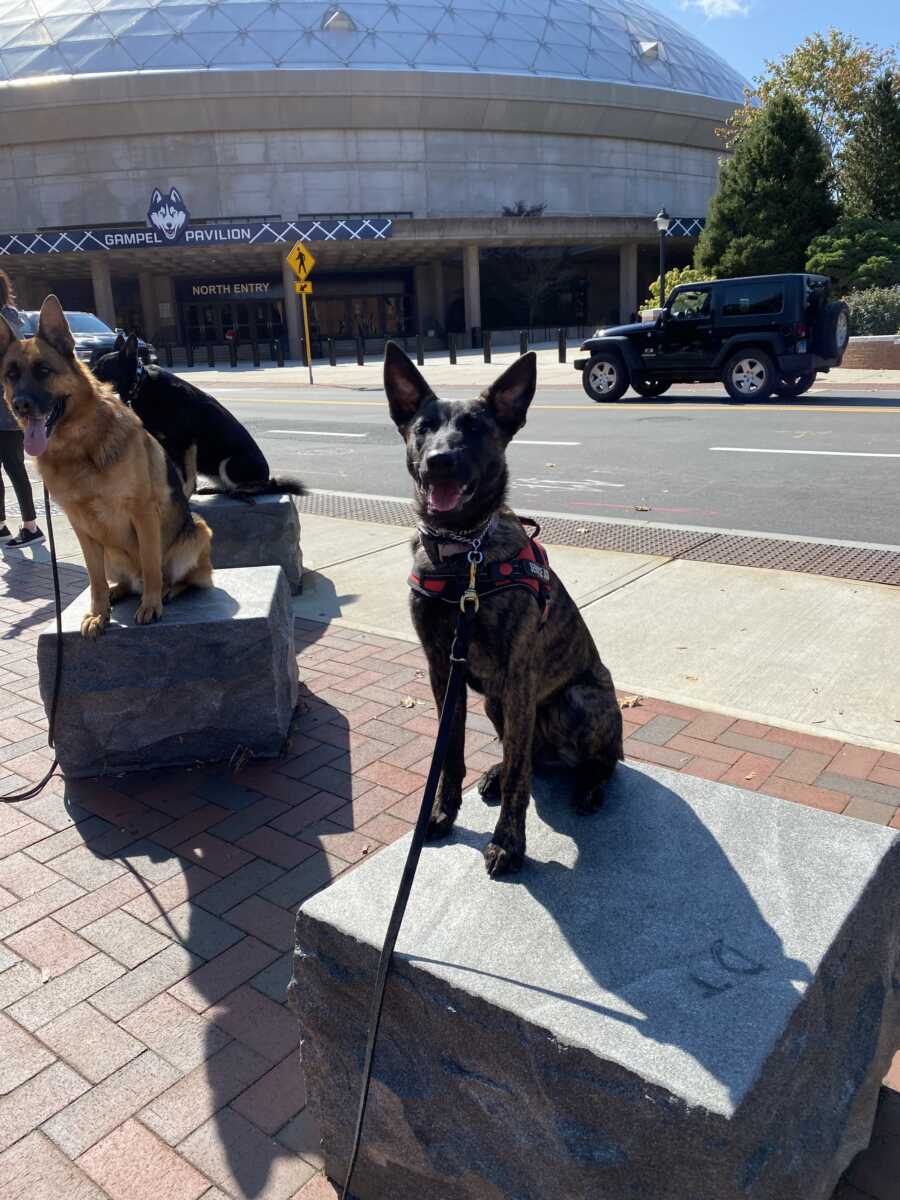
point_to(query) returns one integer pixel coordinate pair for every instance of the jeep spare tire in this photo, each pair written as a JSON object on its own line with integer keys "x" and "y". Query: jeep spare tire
{"x": 646, "y": 385}
{"x": 749, "y": 375}
{"x": 604, "y": 377}
{"x": 835, "y": 330}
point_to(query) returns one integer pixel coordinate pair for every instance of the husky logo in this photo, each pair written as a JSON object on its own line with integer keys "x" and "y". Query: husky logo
{"x": 168, "y": 214}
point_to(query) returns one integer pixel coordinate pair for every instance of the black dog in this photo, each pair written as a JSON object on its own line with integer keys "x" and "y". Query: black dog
{"x": 547, "y": 693}
{"x": 199, "y": 434}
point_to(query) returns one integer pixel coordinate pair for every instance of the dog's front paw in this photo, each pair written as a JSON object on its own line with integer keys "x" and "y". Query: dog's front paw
{"x": 148, "y": 612}
{"x": 489, "y": 785}
{"x": 500, "y": 861}
{"x": 440, "y": 824}
{"x": 93, "y": 624}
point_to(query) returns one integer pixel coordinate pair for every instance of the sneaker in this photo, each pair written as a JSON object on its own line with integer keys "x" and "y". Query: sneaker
{"x": 5, "y": 533}
{"x": 25, "y": 538}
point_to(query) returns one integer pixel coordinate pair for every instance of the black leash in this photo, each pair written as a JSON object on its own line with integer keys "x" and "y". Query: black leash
{"x": 37, "y": 788}
{"x": 458, "y": 659}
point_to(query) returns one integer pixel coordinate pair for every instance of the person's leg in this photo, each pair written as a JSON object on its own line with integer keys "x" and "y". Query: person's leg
{"x": 15, "y": 468}
{"x": 13, "y": 460}
{"x": 4, "y": 532}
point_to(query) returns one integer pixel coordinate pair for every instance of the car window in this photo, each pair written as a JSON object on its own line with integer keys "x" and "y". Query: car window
{"x": 752, "y": 299}
{"x": 86, "y": 323}
{"x": 693, "y": 302}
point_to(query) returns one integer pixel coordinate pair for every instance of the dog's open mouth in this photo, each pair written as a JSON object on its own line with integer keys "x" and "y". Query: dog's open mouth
{"x": 36, "y": 436}
{"x": 444, "y": 495}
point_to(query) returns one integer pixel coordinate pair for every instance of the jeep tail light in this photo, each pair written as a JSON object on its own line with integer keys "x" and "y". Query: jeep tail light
{"x": 800, "y": 330}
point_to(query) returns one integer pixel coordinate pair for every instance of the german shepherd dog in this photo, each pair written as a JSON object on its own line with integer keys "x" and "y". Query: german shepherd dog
{"x": 199, "y": 433}
{"x": 546, "y": 691}
{"x": 114, "y": 482}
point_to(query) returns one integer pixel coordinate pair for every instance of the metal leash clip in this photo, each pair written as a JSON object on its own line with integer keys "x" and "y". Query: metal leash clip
{"x": 470, "y": 595}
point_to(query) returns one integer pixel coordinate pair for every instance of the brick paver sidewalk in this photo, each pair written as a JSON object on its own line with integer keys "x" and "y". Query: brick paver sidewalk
{"x": 146, "y": 921}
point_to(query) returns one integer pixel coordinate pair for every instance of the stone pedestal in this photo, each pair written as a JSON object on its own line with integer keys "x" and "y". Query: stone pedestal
{"x": 218, "y": 672}
{"x": 264, "y": 533}
{"x": 690, "y": 996}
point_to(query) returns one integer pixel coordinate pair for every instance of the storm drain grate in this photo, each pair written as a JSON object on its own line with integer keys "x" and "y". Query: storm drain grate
{"x": 739, "y": 550}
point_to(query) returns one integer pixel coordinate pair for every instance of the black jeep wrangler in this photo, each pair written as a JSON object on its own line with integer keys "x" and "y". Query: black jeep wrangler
{"x": 763, "y": 334}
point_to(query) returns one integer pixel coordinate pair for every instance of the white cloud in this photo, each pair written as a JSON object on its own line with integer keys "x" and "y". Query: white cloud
{"x": 718, "y": 8}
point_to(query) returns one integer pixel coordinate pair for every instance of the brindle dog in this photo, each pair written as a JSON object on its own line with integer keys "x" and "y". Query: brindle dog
{"x": 546, "y": 691}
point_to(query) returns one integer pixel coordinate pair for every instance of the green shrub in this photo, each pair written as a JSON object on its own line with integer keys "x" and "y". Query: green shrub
{"x": 674, "y": 277}
{"x": 876, "y": 310}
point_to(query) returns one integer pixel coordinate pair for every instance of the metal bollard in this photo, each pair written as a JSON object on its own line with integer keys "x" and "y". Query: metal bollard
{"x": 189, "y": 353}
{"x": 210, "y": 354}
{"x": 486, "y": 343}
{"x": 332, "y": 356}
{"x": 451, "y": 345}
{"x": 170, "y": 357}
{"x": 279, "y": 353}
{"x": 561, "y": 340}
{"x": 420, "y": 350}
{"x": 232, "y": 354}
{"x": 254, "y": 351}
{"x": 360, "y": 352}
{"x": 523, "y": 342}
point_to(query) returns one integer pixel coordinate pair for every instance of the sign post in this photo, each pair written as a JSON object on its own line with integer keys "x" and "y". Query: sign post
{"x": 301, "y": 262}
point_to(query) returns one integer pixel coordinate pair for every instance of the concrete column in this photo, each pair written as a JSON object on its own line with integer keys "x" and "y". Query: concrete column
{"x": 471, "y": 288}
{"x": 292, "y": 315}
{"x": 437, "y": 291}
{"x": 423, "y": 298}
{"x": 149, "y": 304}
{"x": 628, "y": 264}
{"x": 103, "y": 296}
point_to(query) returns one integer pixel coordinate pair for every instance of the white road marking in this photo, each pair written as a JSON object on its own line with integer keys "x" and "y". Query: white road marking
{"x": 566, "y": 485}
{"x": 830, "y": 453}
{"x": 524, "y": 442}
{"x": 316, "y": 433}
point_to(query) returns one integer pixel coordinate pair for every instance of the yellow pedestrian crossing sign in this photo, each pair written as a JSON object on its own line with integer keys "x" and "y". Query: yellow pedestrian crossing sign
{"x": 301, "y": 260}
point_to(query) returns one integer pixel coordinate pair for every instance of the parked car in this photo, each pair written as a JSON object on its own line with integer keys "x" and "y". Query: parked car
{"x": 759, "y": 335}
{"x": 93, "y": 337}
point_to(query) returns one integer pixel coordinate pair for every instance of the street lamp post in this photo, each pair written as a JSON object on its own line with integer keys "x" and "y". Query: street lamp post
{"x": 663, "y": 221}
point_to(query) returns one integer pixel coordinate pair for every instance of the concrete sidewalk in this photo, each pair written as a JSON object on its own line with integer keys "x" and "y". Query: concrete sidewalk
{"x": 471, "y": 369}
{"x": 809, "y": 653}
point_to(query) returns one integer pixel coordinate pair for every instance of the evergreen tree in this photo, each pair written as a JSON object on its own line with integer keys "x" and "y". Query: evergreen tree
{"x": 774, "y": 197}
{"x": 870, "y": 164}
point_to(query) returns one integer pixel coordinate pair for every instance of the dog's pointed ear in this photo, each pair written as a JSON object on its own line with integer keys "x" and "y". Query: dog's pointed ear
{"x": 175, "y": 197}
{"x": 120, "y": 342}
{"x": 403, "y": 384}
{"x": 131, "y": 346}
{"x": 54, "y": 328}
{"x": 509, "y": 396}
{"x": 156, "y": 198}
{"x": 7, "y": 336}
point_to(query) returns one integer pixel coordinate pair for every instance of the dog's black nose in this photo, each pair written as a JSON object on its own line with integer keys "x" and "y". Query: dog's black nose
{"x": 440, "y": 462}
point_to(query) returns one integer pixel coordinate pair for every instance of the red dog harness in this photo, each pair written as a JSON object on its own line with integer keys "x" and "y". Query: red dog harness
{"x": 530, "y": 569}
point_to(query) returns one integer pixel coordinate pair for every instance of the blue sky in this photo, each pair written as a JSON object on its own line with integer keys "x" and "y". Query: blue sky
{"x": 745, "y": 32}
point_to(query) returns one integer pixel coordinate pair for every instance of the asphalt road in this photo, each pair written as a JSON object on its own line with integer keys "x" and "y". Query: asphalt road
{"x": 827, "y": 466}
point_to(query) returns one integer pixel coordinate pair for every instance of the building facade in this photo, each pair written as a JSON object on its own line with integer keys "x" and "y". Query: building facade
{"x": 162, "y": 157}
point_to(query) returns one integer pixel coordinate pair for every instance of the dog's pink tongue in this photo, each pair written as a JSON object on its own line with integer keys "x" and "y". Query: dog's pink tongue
{"x": 35, "y": 437}
{"x": 444, "y": 495}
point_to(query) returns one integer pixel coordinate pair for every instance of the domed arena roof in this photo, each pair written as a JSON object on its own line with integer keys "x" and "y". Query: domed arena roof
{"x": 613, "y": 41}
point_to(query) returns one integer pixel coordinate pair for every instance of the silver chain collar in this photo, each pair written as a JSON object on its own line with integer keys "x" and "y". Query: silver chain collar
{"x": 467, "y": 537}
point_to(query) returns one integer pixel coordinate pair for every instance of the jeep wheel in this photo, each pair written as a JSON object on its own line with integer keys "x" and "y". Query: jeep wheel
{"x": 789, "y": 387}
{"x": 604, "y": 377}
{"x": 749, "y": 375}
{"x": 835, "y": 326}
{"x": 646, "y": 385}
